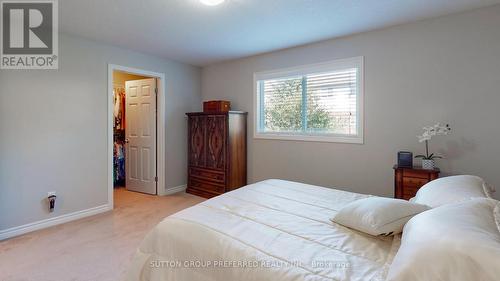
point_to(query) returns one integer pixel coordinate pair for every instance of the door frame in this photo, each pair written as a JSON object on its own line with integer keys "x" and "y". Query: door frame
{"x": 160, "y": 126}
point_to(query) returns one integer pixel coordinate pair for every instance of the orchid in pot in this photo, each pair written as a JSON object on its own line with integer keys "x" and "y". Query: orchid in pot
{"x": 429, "y": 132}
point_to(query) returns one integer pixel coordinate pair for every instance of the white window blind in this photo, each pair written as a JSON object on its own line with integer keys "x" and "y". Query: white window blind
{"x": 310, "y": 102}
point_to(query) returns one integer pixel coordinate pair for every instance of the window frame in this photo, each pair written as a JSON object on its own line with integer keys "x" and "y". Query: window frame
{"x": 339, "y": 64}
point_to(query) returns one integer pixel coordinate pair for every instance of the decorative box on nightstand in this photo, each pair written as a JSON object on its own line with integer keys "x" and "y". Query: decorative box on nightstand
{"x": 407, "y": 180}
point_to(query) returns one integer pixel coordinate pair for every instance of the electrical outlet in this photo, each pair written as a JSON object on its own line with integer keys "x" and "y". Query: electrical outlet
{"x": 51, "y": 196}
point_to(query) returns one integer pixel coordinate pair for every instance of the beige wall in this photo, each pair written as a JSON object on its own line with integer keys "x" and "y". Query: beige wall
{"x": 53, "y": 128}
{"x": 445, "y": 69}
{"x": 119, "y": 78}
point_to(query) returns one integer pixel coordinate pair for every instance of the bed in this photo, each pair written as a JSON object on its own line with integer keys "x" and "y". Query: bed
{"x": 270, "y": 230}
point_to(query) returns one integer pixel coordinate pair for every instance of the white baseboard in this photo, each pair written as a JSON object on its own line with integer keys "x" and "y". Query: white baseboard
{"x": 18, "y": 230}
{"x": 172, "y": 190}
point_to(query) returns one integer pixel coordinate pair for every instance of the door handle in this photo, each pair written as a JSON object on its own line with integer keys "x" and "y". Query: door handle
{"x": 127, "y": 140}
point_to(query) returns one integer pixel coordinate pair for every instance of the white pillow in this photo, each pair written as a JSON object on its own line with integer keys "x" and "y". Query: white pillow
{"x": 452, "y": 189}
{"x": 378, "y": 215}
{"x": 458, "y": 242}
{"x": 496, "y": 213}
{"x": 488, "y": 190}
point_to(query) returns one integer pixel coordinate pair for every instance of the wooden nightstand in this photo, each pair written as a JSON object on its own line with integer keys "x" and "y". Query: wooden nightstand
{"x": 407, "y": 180}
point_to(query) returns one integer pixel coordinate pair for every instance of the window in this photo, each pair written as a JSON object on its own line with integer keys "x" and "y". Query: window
{"x": 321, "y": 102}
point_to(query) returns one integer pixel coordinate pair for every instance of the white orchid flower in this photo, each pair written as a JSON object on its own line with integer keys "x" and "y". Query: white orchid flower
{"x": 424, "y": 137}
{"x": 430, "y": 131}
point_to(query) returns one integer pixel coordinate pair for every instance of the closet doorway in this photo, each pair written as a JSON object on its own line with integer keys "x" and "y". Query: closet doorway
{"x": 136, "y": 119}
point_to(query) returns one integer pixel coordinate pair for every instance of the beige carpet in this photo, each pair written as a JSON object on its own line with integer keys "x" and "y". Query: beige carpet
{"x": 97, "y": 248}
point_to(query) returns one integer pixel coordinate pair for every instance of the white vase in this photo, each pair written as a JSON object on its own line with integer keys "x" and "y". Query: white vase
{"x": 428, "y": 164}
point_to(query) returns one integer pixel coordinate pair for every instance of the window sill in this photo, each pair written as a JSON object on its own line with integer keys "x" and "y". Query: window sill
{"x": 311, "y": 138}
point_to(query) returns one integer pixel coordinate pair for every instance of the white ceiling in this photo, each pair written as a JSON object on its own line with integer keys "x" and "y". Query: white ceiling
{"x": 187, "y": 31}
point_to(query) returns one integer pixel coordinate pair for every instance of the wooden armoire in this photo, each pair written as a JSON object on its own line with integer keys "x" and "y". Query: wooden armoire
{"x": 217, "y": 152}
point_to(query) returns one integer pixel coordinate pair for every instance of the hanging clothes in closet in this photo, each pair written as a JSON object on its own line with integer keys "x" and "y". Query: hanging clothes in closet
{"x": 119, "y": 136}
{"x": 119, "y": 108}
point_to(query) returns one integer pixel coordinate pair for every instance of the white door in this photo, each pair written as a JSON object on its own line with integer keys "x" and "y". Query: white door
{"x": 140, "y": 135}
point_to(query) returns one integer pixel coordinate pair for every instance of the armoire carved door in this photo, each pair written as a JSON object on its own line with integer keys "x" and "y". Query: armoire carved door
{"x": 197, "y": 135}
{"x": 216, "y": 152}
{"x": 216, "y": 142}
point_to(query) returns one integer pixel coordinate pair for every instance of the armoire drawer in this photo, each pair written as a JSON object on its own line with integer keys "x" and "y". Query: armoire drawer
{"x": 209, "y": 175}
{"x": 422, "y": 174}
{"x": 206, "y": 185}
{"x": 407, "y": 181}
{"x": 414, "y": 182}
{"x": 409, "y": 192}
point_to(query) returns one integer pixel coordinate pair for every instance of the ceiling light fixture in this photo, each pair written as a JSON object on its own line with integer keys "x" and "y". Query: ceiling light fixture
{"x": 212, "y": 2}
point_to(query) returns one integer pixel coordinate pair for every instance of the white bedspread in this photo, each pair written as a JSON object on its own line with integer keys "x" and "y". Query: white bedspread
{"x": 271, "y": 230}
